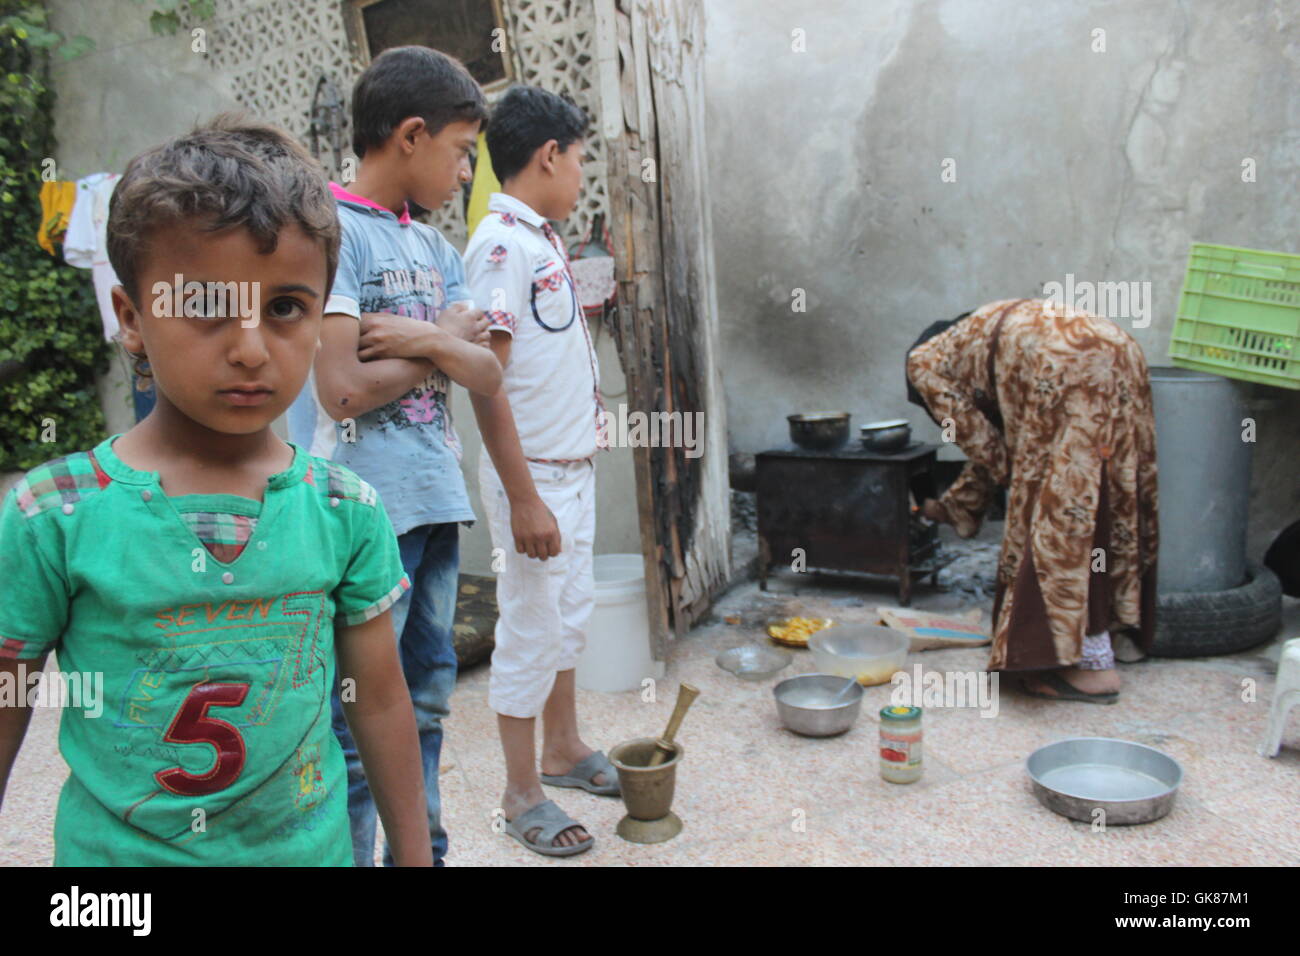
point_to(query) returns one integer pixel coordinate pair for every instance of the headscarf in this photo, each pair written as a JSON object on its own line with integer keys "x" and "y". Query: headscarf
{"x": 935, "y": 328}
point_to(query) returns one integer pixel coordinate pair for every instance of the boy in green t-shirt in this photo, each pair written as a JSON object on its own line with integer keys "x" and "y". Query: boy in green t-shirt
{"x": 206, "y": 571}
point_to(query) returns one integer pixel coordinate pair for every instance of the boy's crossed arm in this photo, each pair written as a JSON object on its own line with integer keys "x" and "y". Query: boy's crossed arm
{"x": 347, "y": 386}
{"x": 382, "y": 721}
{"x": 456, "y": 343}
{"x": 365, "y": 365}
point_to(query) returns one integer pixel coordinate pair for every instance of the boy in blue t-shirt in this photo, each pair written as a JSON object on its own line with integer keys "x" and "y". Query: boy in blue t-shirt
{"x": 399, "y": 327}
{"x": 206, "y": 571}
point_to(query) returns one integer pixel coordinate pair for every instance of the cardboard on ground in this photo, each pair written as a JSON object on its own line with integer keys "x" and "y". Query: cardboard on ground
{"x": 928, "y": 630}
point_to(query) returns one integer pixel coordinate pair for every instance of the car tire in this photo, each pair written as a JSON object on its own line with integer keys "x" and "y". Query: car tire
{"x": 1205, "y": 623}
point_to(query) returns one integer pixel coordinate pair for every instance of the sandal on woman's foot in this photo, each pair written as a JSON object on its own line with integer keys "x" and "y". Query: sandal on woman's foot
{"x": 549, "y": 821}
{"x": 584, "y": 774}
{"x": 1065, "y": 690}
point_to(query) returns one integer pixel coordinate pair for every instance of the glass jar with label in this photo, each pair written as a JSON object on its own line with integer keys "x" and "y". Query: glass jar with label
{"x": 900, "y": 744}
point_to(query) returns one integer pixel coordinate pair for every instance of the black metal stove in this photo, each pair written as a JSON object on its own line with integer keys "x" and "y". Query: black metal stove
{"x": 848, "y": 510}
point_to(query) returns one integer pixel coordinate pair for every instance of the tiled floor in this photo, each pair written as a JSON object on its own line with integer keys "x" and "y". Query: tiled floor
{"x": 751, "y": 793}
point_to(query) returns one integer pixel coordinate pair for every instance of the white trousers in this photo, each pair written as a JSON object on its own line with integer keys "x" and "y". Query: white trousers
{"x": 544, "y": 606}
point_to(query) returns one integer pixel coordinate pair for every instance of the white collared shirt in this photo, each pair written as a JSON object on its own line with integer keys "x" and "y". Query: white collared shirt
{"x": 521, "y": 279}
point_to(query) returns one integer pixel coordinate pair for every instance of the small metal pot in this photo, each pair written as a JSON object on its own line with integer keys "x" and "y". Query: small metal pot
{"x": 807, "y": 704}
{"x": 893, "y": 435}
{"x": 819, "y": 431}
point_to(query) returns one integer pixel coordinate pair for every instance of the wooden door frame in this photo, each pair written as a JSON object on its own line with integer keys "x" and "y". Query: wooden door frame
{"x": 664, "y": 268}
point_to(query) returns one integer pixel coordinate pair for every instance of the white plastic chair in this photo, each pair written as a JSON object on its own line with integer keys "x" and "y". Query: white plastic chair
{"x": 1285, "y": 697}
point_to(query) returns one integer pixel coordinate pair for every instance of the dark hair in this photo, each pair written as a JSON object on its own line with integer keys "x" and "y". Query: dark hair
{"x": 229, "y": 172}
{"x": 408, "y": 81}
{"x": 931, "y": 330}
{"x": 524, "y": 119}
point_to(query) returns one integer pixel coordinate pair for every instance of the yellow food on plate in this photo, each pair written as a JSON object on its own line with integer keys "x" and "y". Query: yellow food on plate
{"x": 797, "y": 630}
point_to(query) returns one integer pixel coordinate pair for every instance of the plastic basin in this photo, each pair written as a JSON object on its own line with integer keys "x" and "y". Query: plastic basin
{"x": 869, "y": 653}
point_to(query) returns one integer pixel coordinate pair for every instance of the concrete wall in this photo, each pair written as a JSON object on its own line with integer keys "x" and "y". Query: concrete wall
{"x": 132, "y": 91}
{"x": 136, "y": 90}
{"x": 826, "y": 176}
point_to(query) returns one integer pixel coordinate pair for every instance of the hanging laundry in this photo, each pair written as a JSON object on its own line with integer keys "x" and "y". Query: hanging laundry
{"x": 485, "y": 184}
{"x": 79, "y": 242}
{"x": 86, "y": 242}
{"x": 57, "y": 201}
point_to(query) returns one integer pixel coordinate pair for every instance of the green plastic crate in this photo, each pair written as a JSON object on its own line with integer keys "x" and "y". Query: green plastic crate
{"x": 1239, "y": 315}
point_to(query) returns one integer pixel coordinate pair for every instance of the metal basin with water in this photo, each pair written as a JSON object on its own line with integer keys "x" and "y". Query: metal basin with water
{"x": 810, "y": 704}
{"x": 1130, "y": 782}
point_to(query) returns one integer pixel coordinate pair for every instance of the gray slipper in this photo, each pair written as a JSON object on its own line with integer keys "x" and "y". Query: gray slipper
{"x": 1066, "y": 691}
{"x": 549, "y": 821}
{"x": 584, "y": 772}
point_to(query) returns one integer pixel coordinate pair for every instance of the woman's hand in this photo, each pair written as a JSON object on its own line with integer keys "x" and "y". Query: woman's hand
{"x": 934, "y": 511}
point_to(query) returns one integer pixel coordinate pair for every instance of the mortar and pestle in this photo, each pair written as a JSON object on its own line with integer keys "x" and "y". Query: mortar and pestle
{"x": 647, "y": 775}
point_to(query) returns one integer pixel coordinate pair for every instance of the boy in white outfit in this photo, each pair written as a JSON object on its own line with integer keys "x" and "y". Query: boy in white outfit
{"x": 541, "y": 432}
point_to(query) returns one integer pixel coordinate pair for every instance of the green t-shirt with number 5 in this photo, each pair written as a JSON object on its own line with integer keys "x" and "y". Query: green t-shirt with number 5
{"x": 214, "y": 744}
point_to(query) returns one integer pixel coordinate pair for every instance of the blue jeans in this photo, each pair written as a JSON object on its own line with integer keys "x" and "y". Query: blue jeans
{"x": 423, "y": 617}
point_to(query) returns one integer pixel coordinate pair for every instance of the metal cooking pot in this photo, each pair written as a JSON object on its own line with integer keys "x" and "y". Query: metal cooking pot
{"x": 892, "y": 435}
{"x": 819, "y": 431}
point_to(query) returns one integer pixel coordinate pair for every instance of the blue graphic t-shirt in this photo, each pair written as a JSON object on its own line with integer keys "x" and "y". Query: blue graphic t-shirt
{"x": 407, "y": 449}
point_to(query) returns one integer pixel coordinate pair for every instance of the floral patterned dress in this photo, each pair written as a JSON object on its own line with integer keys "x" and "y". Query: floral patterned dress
{"x": 1076, "y": 450}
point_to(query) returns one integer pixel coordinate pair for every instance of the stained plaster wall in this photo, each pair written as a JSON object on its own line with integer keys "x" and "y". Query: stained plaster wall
{"x": 826, "y": 166}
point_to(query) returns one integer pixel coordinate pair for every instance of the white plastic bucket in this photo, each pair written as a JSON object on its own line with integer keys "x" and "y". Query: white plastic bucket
{"x": 617, "y": 655}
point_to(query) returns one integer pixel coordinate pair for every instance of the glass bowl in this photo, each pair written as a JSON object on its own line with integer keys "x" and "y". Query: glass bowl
{"x": 867, "y": 652}
{"x": 752, "y": 662}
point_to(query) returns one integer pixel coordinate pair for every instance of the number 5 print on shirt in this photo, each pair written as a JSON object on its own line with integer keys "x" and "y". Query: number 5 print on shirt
{"x": 193, "y": 726}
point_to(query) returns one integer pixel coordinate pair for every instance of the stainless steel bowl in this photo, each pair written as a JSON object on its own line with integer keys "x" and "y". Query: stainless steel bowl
{"x": 1130, "y": 782}
{"x": 819, "y": 431}
{"x": 806, "y": 704}
{"x": 753, "y": 662}
{"x": 892, "y": 435}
